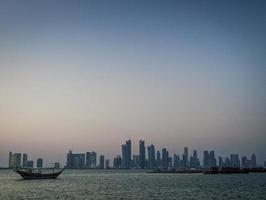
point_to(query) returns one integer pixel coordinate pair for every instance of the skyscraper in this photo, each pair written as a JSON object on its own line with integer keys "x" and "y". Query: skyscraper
{"x": 14, "y": 160}
{"x": 151, "y": 156}
{"x": 221, "y": 162}
{"x": 142, "y": 158}
{"x": 176, "y": 161}
{"x": 235, "y": 162}
{"x": 129, "y": 157}
{"x": 206, "y": 160}
{"x": 185, "y": 157}
{"x": 93, "y": 160}
{"x": 158, "y": 159}
{"x": 107, "y": 165}
{"x": 88, "y": 160}
{"x": 39, "y": 163}
{"x": 253, "y": 161}
{"x": 75, "y": 160}
{"x": 212, "y": 159}
{"x": 101, "y": 166}
{"x": 126, "y": 154}
{"x": 24, "y": 159}
{"x": 117, "y": 162}
{"x": 165, "y": 157}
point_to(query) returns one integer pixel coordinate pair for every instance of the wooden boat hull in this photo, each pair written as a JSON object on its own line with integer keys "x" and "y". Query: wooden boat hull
{"x": 28, "y": 175}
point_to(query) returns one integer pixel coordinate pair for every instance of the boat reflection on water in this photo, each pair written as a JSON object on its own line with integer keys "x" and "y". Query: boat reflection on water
{"x": 50, "y": 173}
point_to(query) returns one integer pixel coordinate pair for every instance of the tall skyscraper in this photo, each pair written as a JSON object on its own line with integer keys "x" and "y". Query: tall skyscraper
{"x": 142, "y": 157}
{"x": 206, "y": 160}
{"x": 212, "y": 159}
{"x": 14, "y": 160}
{"x": 221, "y": 162}
{"x": 101, "y": 166}
{"x": 117, "y": 162}
{"x": 158, "y": 159}
{"x": 165, "y": 157}
{"x": 126, "y": 155}
{"x": 24, "y": 159}
{"x": 88, "y": 160}
{"x": 75, "y": 160}
{"x": 39, "y": 163}
{"x": 185, "y": 157}
{"x": 129, "y": 157}
{"x": 93, "y": 159}
{"x": 253, "y": 161}
{"x": 151, "y": 156}
{"x": 176, "y": 161}
{"x": 244, "y": 162}
{"x": 107, "y": 164}
{"x": 235, "y": 162}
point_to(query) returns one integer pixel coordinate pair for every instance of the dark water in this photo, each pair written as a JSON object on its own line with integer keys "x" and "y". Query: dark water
{"x": 112, "y": 184}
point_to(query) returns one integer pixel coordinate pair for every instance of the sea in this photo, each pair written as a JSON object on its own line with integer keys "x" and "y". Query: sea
{"x": 134, "y": 184}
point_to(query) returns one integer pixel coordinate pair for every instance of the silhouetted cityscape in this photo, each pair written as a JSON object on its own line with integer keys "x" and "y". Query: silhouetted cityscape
{"x": 160, "y": 159}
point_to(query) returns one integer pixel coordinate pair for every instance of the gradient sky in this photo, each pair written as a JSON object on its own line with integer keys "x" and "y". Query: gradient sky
{"x": 87, "y": 75}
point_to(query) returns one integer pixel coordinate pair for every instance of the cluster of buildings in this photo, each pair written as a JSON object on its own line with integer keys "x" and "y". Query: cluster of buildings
{"x": 85, "y": 160}
{"x": 149, "y": 158}
{"x": 18, "y": 160}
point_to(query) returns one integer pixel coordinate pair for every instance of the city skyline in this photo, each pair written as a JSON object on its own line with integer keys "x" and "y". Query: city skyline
{"x": 88, "y": 74}
{"x": 148, "y": 156}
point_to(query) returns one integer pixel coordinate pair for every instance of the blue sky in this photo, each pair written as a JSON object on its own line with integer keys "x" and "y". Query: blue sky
{"x": 90, "y": 74}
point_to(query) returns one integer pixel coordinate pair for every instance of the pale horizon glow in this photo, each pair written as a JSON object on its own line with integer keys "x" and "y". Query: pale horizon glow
{"x": 88, "y": 75}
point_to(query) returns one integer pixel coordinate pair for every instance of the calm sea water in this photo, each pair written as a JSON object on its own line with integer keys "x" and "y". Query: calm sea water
{"x": 120, "y": 184}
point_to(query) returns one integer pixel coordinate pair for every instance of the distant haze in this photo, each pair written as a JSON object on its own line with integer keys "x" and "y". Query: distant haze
{"x": 87, "y": 75}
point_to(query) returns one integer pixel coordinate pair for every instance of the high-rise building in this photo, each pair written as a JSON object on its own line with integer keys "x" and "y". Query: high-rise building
{"x": 29, "y": 164}
{"x": 136, "y": 161}
{"x": 129, "y": 157}
{"x": 221, "y": 162}
{"x": 107, "y": 165}
{"x": 212, "y": 159}
{"x": 206, "y": 160}
{"x": 117, "y": 162}
{"x": 235, "y": 162}
{"x": 88, "y": 159}
{"x": 39, "y": 163}
{"x": 24, "y": 159}
{"x": 185, "y": 157}
{"x": 142, "y": 157}
{"x": 101, "y": 166}
{"x": 165, "y": 157}
{"x": 244, "y": 162}
{"x": 194, "y": 161}
{"x": 176, "y": 161}
{"x": 227, "y": 162}
{"x": 151, "y": 157}
{"x": 158, "y": 159}
{"x": 253, "y": 161}
{"x": 75, "y": 160}
{"x": 124, "y": 156}
{"x": 93, "y": 160}
{"x": 14, "y": 160}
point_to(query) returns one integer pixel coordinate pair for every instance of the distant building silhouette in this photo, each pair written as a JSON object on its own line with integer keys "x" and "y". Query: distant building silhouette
{"x": 39, "y": 163}
{"x": 151, "y": 157}
{"x": 24, "y": 160}
{"x": 165, "y": 158}
{"x": 101, "y": 165}
{"x": 142, "y": 157}
{"x": 14, "y": 160}
{"x": 75, "y": 161}
{"x": 253, "y": 161}
{"x": 117, "y": 162}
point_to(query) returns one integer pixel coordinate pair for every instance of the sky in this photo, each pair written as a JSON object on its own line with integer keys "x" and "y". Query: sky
{"x": 87, "y": 75}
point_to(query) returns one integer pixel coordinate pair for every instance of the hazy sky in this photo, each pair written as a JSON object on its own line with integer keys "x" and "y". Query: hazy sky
{"x": 87, "y": 75}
